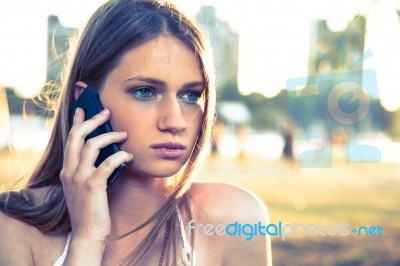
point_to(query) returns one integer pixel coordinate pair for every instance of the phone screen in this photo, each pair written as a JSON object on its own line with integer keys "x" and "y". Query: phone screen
{"x": 89, "y": 101}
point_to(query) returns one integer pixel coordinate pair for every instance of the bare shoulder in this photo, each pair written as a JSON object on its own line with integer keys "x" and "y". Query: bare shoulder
{"x": 239, "y": 210}
{"x": 24, "y": 244}
{"x": 14, "y": 242}
{"x": 224, "y": 202}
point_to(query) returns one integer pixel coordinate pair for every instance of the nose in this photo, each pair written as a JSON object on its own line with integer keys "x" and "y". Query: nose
{"x": 171, "y": 118}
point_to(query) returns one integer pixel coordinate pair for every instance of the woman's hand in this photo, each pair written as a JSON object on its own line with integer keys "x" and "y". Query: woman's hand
{"x": 85, "y": 185}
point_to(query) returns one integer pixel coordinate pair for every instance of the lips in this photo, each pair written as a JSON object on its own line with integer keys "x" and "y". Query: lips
{"x": 169, "y": 150}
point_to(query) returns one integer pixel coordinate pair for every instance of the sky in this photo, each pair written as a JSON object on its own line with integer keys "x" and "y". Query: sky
{"x": 274, "y": 38}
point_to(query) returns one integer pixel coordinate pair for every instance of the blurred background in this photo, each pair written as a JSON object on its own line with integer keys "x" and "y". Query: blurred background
{"x": 308, "y": 110}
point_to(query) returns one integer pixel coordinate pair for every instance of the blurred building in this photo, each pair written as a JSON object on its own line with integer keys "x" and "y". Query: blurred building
{"x": 336, "y": 51}
{"x": 57, "y": 46}
{"x": 23, "y": 121}
{"x": 338, "y": 91}
{"x": 225, "y": 43}
{"x": 338, "y": 102}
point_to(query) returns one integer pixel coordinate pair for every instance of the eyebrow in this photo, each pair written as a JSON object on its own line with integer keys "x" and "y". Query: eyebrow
{"x": 160, "y": 83}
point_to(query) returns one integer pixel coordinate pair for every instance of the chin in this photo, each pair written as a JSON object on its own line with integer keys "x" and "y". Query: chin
{"x": 158, "y": 170}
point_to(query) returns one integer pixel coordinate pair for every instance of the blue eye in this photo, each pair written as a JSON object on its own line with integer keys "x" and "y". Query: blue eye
{"x": 143, "y": 93}
{"x": 191, "y": 96}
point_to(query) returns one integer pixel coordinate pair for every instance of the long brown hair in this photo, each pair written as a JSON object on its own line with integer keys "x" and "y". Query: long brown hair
{"x": 117, "y": 26}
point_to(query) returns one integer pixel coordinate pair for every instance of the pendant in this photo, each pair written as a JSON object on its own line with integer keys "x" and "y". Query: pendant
{"x": 187, "y": 257}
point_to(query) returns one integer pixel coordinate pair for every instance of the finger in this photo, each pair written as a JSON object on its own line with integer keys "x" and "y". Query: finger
{"x": 81, "y": 130}
{"x": 73, "y": 147}
{"x": 92, "y": 147}
{"x": 105, "y": 169}
{"x": 78, "y": 133}
{"x": 79, "y": 116}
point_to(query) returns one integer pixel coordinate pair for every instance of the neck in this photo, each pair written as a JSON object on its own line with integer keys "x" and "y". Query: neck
{"x": 134, "y": 199}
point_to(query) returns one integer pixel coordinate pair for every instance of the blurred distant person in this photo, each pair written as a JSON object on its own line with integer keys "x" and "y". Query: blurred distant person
{"x": 215, "y": 138}
{"x": 241, "y": 135}
{"x": 287, "y": 134}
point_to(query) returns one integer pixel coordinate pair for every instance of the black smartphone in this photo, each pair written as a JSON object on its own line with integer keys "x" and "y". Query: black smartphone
{"x": 89, "y": 101}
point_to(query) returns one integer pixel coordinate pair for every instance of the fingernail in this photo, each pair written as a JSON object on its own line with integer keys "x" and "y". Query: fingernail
{"x": 76, "y": 111}
{"x": 124, "y": 133}
{"x": 104, "y": 111}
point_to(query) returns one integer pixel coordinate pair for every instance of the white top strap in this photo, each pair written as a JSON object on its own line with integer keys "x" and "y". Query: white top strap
{"x": 187, "y": 251}
{"x": 60, "y": 261}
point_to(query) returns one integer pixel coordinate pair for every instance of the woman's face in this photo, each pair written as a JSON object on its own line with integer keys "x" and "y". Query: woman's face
{"x": 155, "y": 94}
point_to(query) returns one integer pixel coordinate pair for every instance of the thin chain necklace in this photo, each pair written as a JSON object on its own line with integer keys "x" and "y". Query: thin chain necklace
{"x": 165, "y": 242}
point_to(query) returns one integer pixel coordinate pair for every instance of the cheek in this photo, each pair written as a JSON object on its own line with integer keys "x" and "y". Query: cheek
{"x": 132, "y": 120}
{"x": 138, "y": 129}
{"x": 125, "y": 114}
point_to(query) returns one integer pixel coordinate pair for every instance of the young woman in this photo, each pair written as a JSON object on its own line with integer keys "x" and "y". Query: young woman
{"x": 152, "y": 69}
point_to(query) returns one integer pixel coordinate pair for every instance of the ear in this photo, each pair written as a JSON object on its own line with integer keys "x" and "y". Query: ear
{"x": 79, "y": 87}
